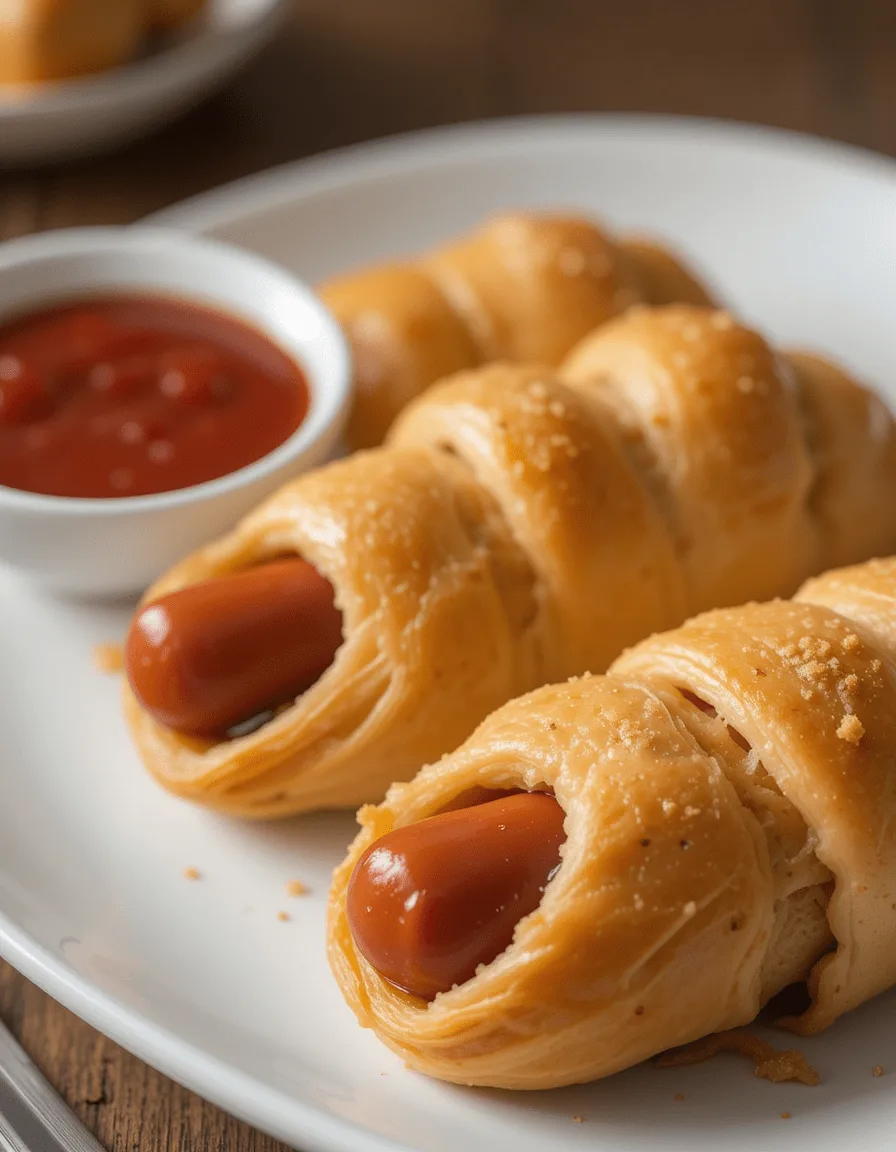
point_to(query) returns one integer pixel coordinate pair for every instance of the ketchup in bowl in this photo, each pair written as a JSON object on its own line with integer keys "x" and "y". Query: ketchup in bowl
{"x": 133, "y": 395}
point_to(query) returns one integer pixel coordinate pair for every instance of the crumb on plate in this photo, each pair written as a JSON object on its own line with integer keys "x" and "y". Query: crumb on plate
{"x": 108, "y": 658}
{"x": 282, "y": 917}
{"x": 768, "y": 1063}
{"x": 296, "y": 888}
{"x": 192, "y": 873}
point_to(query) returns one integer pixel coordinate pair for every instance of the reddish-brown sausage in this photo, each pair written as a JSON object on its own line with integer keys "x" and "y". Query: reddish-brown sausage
{"x": 211, "y": 656}
{"x": 430, "y": 902}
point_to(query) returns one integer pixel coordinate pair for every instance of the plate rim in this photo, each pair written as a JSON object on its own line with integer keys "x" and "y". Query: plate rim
{"x": 239, "y": 1093}
{"x": 324, "y": 171}
{"x": 212, "y": 1079}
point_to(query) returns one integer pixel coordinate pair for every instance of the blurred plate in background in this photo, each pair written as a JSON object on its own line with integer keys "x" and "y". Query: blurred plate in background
{"x": 75, "y": 118}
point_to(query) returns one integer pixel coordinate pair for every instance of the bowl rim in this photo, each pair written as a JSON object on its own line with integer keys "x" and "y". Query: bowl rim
{"x": 330, "y": 393}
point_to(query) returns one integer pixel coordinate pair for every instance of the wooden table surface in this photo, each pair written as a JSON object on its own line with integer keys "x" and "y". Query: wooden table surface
{"x": 348, "y": 70}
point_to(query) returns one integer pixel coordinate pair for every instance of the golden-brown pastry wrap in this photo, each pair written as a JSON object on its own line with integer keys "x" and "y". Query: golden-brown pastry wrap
{"x": 524, "y": 526}
{"x": 523, "y": 287}
{"x": 730, "y": 800}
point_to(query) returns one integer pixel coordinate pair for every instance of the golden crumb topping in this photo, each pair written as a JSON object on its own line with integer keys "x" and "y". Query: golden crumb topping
{"x": 851, "y": 729}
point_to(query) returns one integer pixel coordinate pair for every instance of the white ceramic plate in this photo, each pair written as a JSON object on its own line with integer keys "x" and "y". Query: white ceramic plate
{"x": 78, "y": 117}
{"x": 200, "y": 978}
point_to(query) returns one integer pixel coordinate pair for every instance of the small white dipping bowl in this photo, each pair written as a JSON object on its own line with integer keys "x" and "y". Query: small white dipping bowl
{"x": 117, "y": 546}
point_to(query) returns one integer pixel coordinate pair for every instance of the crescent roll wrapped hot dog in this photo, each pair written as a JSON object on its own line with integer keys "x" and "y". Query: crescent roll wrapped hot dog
{"x": 728, "y": 798}
{"x": 523, "y": 287}
{"x": 520, "y": 527}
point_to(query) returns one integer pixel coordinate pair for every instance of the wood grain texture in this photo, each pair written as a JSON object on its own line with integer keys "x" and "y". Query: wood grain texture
{"x": 348, "y": 70}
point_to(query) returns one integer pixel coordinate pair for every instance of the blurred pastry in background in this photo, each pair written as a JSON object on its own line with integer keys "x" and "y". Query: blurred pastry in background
{"x": 524, "y": 286}
{"x": 54, "y": 39}
{"x": 43, "y": 40}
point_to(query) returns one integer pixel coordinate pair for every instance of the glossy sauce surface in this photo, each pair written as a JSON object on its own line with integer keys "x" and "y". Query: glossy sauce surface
{"x": 217, "y": 654}
{"x": 430, "y": 902}
{"x": 131, "y": 395}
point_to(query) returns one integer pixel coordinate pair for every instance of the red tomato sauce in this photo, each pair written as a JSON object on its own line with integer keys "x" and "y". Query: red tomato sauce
{"x": 130, "y": 395}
